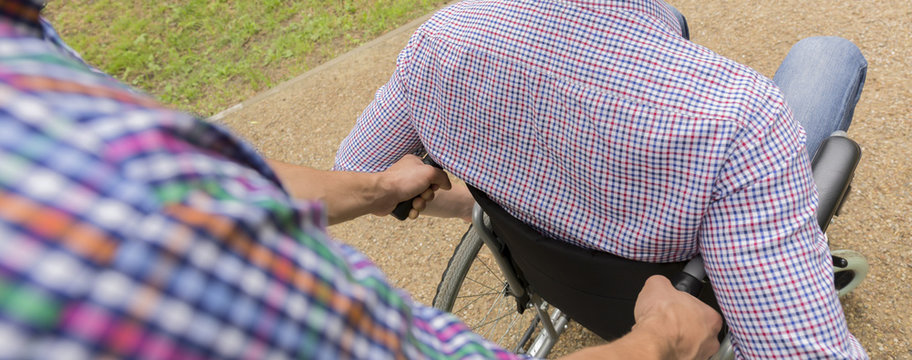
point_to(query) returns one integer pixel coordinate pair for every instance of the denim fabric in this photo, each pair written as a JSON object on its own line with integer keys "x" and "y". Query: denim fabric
{"x": 822, "y": 79}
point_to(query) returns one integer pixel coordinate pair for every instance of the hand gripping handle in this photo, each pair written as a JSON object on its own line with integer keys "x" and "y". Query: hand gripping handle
{"x": 402, "y": 210}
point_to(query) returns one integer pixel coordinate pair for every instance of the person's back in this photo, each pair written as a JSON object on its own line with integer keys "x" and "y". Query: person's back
{"x": 602, "y": 126}
{"x": 638, "y": 133}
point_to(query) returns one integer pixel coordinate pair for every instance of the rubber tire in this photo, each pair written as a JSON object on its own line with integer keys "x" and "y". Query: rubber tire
{"x": 456, "y": 270}
{"x": 463, "y": 265}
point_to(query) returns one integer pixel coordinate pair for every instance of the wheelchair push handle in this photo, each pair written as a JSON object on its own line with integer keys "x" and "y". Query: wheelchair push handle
{"x": 401, "y": 212}
{"x": 691, "y": 279}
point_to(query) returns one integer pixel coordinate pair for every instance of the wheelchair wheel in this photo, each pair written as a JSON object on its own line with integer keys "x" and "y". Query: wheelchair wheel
{"x": 847, "y": 278}
{"x": 474, "y": 289}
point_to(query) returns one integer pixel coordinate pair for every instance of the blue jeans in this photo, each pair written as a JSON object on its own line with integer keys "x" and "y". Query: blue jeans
{"x": 822, "y": 79}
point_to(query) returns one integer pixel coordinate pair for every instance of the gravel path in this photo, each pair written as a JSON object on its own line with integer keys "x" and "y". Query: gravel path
{"x": 303, "y": 120}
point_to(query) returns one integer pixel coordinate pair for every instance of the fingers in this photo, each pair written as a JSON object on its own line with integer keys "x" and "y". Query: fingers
{"x": 658, "y": 283}
{"x": 414, "y": 175}
{"x": 657, "y": 287}
{"x": 410, "y": 179}
{"x": 439, "y": 179}
{"x": 428, "y": 195}
{"x": 420, "y": 203}
{"x": 688, "y": 325}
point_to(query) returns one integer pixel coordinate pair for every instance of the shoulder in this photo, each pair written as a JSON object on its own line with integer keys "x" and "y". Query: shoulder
{"x": 718, "y": 88}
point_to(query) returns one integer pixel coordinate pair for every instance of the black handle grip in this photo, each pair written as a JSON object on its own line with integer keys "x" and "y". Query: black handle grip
{"x": 402, "y": 209}
{"x": 690, "y": 280}
{"x": 687, "y": 283}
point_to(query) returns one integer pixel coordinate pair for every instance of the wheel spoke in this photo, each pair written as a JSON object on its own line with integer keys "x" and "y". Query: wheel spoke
{"x": 516, "y": 316}
{"x": 486, "y": 286}
{"x": 482, "y": 298}
{"x": 485, "y": 318}
{"x": 469, "y": 304}
{"x": 491, "y": 271}
{"x": 494, "y": 320}
{"x": 477, "y": 295}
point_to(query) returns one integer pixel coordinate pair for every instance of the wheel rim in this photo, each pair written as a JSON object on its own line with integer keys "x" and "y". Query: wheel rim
{"x": 843, "y": 278}
{"x": 484, "y": 303}
{"x": 847, "y": 279}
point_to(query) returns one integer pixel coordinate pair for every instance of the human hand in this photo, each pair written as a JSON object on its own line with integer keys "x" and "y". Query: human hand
{"x": 409, "y": 179}
{"x": 685, "y": 327}
{"x": 670, "y": 324}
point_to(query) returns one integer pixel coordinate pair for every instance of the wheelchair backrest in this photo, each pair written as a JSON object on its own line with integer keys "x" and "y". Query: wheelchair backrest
{"x": 595, "y": 288}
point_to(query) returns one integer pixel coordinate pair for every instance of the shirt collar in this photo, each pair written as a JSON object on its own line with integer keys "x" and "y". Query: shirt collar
{"x": 618, "y": 4}
{"x": 653, "y": 8}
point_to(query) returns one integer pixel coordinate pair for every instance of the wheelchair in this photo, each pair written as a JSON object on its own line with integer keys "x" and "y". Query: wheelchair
{"x": 520, "y": 289}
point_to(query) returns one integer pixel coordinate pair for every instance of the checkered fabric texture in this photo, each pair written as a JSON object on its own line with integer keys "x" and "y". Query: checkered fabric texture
{"x": 129, "y": 230}
{"x": 598, "y": 124}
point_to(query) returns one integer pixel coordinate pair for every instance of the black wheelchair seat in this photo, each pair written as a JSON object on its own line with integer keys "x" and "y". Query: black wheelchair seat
{"x": 598, "y": 289}
{"x": 594, "y": 288}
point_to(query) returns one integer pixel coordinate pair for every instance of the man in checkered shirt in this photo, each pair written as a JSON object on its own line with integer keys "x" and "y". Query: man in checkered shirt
{"x": 130, "y": 230}
{"x": 597, "y": 123}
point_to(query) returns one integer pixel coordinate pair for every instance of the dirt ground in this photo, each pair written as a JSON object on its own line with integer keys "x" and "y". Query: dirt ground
{"x": 303, "y": 121}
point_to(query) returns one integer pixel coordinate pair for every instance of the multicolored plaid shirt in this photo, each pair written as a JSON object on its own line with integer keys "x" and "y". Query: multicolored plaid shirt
{"x": 598, "y": 124}
{"x": 129, "y": 230}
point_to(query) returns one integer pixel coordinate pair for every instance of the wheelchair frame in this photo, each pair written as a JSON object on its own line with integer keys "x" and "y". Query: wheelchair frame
{"x": 833, "y": 167}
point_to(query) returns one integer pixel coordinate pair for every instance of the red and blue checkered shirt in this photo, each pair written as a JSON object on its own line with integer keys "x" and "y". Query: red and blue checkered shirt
{"x": 128, "y": 230}
{"x": 598, "y": 124}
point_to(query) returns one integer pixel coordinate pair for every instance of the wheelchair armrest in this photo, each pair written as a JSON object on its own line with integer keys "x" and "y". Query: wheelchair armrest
{"x": 833, "y": 167}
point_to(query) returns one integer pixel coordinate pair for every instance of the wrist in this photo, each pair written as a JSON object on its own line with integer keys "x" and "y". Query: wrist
{"x": 639, "y": 343}
{"x": 654, "y": 340}
{"x": 378, "y": 193}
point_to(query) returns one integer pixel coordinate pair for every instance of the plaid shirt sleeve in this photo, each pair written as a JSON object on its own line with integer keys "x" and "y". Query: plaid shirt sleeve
{"x": 129, "y": 230}
{"x": 768, "y": 261}
{"x": 384, "y": 131}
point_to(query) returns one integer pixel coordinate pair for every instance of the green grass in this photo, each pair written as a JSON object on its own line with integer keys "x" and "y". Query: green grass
{"x": 206, "y": 55}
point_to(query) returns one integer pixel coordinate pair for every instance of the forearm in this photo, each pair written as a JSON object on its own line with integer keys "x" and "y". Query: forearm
{"x": 347, "y": 195}
{"x": 454, "y": 203}
{"x": 764, "y": 250}
{"x": 638, "y": 344}
{"x": 382, "y": 134}
{"x": 785, "y": 273}
{"x": 794, "y": 269}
